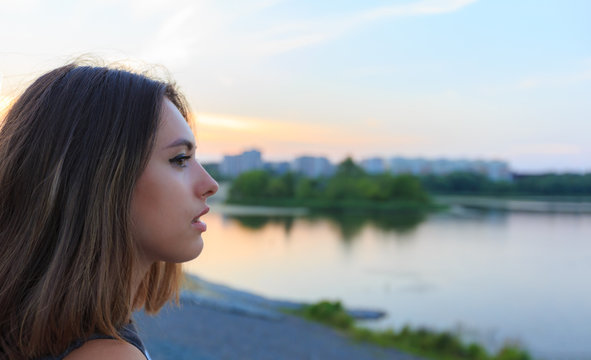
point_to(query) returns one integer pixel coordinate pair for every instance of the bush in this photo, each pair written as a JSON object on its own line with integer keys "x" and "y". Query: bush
{"x": 421, "y": 341}
{"x": 512, "y": 352}
{"x": 330, "y": 313}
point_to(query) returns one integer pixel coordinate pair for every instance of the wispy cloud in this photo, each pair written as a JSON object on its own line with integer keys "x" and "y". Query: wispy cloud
{"x": 171, "y": 44}
{"x": 546, "y": 149}
{"x": 555, "y": 80}
{"x": 311, "y": 32}
{"x": 206, "y": 30}
{"x": 18, "y": 6}
{"x": 198, "y": 30}
{"x": 225, "y": 121}
{"x": 229, "y": 133}
{"x": 425, "y": 7}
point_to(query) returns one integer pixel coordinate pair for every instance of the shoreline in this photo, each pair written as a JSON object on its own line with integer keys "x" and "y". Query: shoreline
{"x": 516, "y": 204}
{"x": 214, "y": 321}
{"x": 206, "y": 293}
{"x": 440, "y": 203}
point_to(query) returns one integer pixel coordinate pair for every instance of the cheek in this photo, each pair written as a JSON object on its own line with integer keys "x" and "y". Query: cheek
{"x": 161, "y": 218}
{"x": 148, "y": 201}
{"x": 150, "y": 211}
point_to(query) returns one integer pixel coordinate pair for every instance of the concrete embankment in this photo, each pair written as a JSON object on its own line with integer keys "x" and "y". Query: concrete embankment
{"x": 217, "y": 322}
{"x": 516, "y": 204}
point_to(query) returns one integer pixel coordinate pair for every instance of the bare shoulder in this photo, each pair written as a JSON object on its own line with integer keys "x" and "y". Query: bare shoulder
{"x": 106, "y": 349}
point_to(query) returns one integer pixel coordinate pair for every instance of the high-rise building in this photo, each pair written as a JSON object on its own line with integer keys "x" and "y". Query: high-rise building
{"x": 278, "y": 168}
{"x": 494, "y": 170}
{"x": 313, "y": 166}
{"x": 234, "y": 165}
{"x": 374, "y": 165}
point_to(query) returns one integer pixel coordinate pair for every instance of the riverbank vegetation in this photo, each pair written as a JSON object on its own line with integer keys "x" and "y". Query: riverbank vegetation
{"x": 423, "y": 342}
{"x": 350, "y": 188}
{"x": 522, "y": 185}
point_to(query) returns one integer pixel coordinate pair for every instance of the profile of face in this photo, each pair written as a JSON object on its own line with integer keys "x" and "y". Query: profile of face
{"x": 170, "y": 195}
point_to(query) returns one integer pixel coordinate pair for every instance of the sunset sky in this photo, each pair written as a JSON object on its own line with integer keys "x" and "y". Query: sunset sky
{"x": 476, "y": 79}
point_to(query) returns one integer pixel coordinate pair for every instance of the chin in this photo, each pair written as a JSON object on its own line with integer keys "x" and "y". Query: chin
{"x": 184, "y": 251}
{"x": 195, "y": 251}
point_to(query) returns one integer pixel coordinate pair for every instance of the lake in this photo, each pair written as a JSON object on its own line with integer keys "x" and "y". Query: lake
{"x": 492, "y": 276}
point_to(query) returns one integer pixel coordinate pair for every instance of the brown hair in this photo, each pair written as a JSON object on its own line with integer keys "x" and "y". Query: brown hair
{"x": 71, "y": 149}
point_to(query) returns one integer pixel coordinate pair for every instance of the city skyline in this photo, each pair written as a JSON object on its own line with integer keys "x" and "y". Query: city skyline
{"x": 415, "y": 78}
{"x": 273, "y": 158}
{"x": 233, "y": 165}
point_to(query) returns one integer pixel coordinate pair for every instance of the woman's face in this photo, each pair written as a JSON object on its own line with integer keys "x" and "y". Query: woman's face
{"x": 169, "y": 197}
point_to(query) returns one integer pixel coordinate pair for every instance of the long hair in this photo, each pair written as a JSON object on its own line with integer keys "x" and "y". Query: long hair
{"x": 71, "y": 150}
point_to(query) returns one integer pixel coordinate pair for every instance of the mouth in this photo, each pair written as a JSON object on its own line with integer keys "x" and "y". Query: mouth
{"x": 198, "y": 224}
{"x": 196, "y": 218}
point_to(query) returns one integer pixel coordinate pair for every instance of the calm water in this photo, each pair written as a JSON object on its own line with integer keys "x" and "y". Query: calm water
{"x": 490, "y": 275}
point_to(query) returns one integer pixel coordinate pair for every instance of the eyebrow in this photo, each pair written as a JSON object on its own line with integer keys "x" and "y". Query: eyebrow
{"x": 181, "y": 142}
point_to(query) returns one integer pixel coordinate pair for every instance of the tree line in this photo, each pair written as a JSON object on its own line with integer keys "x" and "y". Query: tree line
{"x": 351, "y": 183}
{"x": 534, "y": 185}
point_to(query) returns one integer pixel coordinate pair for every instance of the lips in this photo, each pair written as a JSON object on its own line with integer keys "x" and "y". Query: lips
{"x": 196, "y": 218}
{"x": 198, "y": 224}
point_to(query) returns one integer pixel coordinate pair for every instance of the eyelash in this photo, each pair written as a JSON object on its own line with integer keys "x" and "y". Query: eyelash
{"x": 180, "y": 160}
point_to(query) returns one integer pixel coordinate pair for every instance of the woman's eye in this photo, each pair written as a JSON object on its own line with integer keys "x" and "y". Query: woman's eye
{"x": 180, "y": 160}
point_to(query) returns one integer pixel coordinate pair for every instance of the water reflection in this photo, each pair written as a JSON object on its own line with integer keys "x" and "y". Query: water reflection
{"x": 507, "y": 273}
{"x": 348, "y": 225}
{"x": 257, "y": 222}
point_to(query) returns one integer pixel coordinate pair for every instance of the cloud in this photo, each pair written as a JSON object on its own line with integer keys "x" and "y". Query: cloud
{"x": 229, "y": 134}
{"x": 546, "y": 149}
{"x": 425, "y": 7}
{"x": 555, "y": 80}
{"x": 197, "y": 31}
{"x": 171, "y": 44}
{"x": 9, "y": 6}
{"x": 224, "y": 121}
{"x": 305, "y": 33}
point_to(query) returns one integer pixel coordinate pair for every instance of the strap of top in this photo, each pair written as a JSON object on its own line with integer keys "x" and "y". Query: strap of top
{"x": 127, "y": 333}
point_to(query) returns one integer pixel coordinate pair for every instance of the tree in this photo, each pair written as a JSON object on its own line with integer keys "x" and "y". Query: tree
{"x": 348, "y": 168}
{"x": 250, "y": 185}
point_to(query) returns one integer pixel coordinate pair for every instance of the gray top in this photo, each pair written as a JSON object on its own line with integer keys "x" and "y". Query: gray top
{"x": 127, "y": 333}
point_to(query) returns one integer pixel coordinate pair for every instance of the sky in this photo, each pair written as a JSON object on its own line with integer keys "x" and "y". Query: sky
{"x": 459, "y": 79}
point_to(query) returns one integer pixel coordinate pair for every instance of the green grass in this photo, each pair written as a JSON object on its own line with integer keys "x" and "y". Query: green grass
{"x": 423, "y": 342}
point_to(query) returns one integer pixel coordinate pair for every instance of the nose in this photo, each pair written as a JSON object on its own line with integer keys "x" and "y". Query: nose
{"x": 207, "y": 186}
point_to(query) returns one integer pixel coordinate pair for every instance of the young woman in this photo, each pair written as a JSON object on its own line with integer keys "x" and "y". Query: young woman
{"x": 101, "y": 199}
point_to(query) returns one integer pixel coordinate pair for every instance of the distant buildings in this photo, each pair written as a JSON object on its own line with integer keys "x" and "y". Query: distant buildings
{"x": 398, "y": 165}
{"x": 494, "y": 170}
{"x": 279, "y": 168}
{"x": 318, "y": 166}
{"x": 312, "y": 166}
{"x": 234, "y": 165}
{"x": 374, "y": 165}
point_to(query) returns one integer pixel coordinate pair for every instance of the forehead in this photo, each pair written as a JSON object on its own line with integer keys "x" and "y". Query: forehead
{"x": 172, "y": 125}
